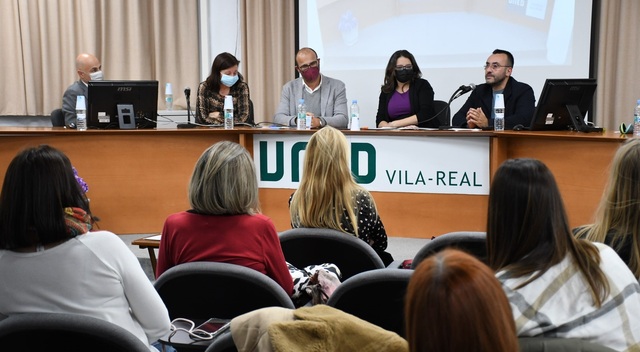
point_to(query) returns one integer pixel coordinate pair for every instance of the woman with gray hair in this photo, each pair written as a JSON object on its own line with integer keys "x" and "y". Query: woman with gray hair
{"x": 224, "y": 223}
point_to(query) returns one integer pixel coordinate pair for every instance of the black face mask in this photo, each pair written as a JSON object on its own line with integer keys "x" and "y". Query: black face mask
{"x": 404, "y": 76}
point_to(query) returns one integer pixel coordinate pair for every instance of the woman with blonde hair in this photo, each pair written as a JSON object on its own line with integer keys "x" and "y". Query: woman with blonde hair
{"x": 329, "y": 197}
{"x": 617, "y": 220}
{"x": 455, "y": 303}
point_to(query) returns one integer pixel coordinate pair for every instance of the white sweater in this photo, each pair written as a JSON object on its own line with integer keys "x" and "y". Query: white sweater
{"x": 94, "y": 274}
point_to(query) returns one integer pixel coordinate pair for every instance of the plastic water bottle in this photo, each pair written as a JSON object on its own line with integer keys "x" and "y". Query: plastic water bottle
{"x": 354, "y": 124}
{"x": 81, "y": 113}
{"x": 636, "y": 120}
{"x": 498, "y": 107}
{"x": 168, "y": 97}
{"x": 301, "y": 120}
{"x": 307, "y": 121}
{"x": 228, "y": 112}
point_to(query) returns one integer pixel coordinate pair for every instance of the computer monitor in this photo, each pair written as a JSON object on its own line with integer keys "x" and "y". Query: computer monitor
{"x": 122, "y": 104}
{"x": 563, "y": 104}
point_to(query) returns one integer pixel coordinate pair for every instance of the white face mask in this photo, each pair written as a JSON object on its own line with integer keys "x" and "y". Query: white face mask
{"x": 96, "y": 76}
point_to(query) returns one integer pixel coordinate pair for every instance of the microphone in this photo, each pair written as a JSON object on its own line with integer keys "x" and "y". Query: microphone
{"x": 459, "y": 92}
{"x": 463, "y": 89}
{"x": 187, "y": 93}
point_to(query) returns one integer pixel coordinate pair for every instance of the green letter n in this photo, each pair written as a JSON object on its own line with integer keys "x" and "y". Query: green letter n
{"x": 297, "y": 148}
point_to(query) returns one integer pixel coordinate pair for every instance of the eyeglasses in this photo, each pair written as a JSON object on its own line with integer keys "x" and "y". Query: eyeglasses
{"x": 311, "y": 64}
{"x": 494, "y": 66}
{"x": 405, "y": 67}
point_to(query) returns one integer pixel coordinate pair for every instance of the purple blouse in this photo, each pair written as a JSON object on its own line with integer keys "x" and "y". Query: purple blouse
{"x": 399, "y": 105}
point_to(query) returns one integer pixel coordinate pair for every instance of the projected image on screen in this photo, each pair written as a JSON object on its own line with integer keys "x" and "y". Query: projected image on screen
{"x": 451, "y": 40}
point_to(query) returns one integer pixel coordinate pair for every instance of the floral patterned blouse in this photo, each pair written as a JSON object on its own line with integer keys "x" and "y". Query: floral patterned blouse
{"x": 209, "y": 101}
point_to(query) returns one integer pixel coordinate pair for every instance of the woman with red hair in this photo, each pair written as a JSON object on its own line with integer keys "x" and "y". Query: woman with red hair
{"x": 455, "y": 303}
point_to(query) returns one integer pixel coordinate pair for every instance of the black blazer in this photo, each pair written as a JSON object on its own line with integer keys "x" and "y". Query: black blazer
{"x": 421, "y": 100}
{"x": 519, "y": 104}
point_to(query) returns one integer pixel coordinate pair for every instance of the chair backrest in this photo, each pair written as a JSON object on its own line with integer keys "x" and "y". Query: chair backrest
{"x": 223, "y": 343}
{"x": 376, "y": 296}
{"x": 203, "y": 290}
{"x": 308, "y": 246}
{"x": 251, "y": 119}
{"x": 556, "y": 344}
{"x": 472, "y": 242}
{"x": 443, "y": 116}
{"x": 57, "y": 118}
{"x": 69, "y": 332}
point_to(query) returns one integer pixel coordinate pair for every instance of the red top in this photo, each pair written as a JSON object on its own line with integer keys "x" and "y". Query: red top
{"x": 247, "y": 240}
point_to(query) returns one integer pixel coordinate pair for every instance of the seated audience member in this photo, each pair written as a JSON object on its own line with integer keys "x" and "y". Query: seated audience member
{"x": 324, "y": 97}
{"x": 329, "y": 197}
{"x": 618, "y": 216}
{"x": 558, "y": 285}
{"x": 88, "y": 68}
{"x": 454, "y": 303}
{"x": 224, "y": 223}
{"x": 405, "y": 98}
{"x": 223, "y": 80}
{"x": 519, "y": 101}
{"x": 51, "y": 262}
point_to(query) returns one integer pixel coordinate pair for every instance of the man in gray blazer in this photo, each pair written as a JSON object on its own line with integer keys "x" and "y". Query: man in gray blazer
{"x": 88, "y": 68}
{"x": 325, "y": 97}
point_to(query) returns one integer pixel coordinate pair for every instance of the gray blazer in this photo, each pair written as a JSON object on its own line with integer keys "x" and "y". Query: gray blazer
{"x": 69, "y": 101}
{"x": 333, "y": 102}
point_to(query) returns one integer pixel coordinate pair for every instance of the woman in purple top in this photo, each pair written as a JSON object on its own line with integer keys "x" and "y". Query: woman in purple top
{"x": 405, "y": 98}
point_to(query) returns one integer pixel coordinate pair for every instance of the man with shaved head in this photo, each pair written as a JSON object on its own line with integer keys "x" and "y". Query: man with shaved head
{"x": 325, "y": 97}
{"x": 88, "y": 68}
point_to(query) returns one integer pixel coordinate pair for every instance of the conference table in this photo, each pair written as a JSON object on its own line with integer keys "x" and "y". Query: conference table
{"x": 137, "y": 178}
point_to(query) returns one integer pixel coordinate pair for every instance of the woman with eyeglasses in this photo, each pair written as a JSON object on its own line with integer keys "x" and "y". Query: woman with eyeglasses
{"x": 406, "y": 99}
{"x": 223, "y": 80}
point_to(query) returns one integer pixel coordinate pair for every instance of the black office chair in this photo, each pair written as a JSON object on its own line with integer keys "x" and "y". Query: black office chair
{"x": 57, "y": 118}
{"x": 309, "y": 246}
{"x": 203, "y": 290}
{"x": 68, "y": 332}
{"x": 472, "y": 242}
{"x": 443, "y": 112}
{"x": 557, "y": 344}
{"x": 223, "y": 343}
{"x": 250, "y": 119}
{"x": 376, "y": 296}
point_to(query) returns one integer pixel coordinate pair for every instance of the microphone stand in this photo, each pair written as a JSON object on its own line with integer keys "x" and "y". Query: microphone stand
{"x": 187, "y": 93}
{"x": 458, "y": 93}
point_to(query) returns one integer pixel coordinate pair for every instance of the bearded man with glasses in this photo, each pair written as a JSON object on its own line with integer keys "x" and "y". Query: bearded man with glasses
{"x": 519, "y": 100}
{"x": 325, "y": 97}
